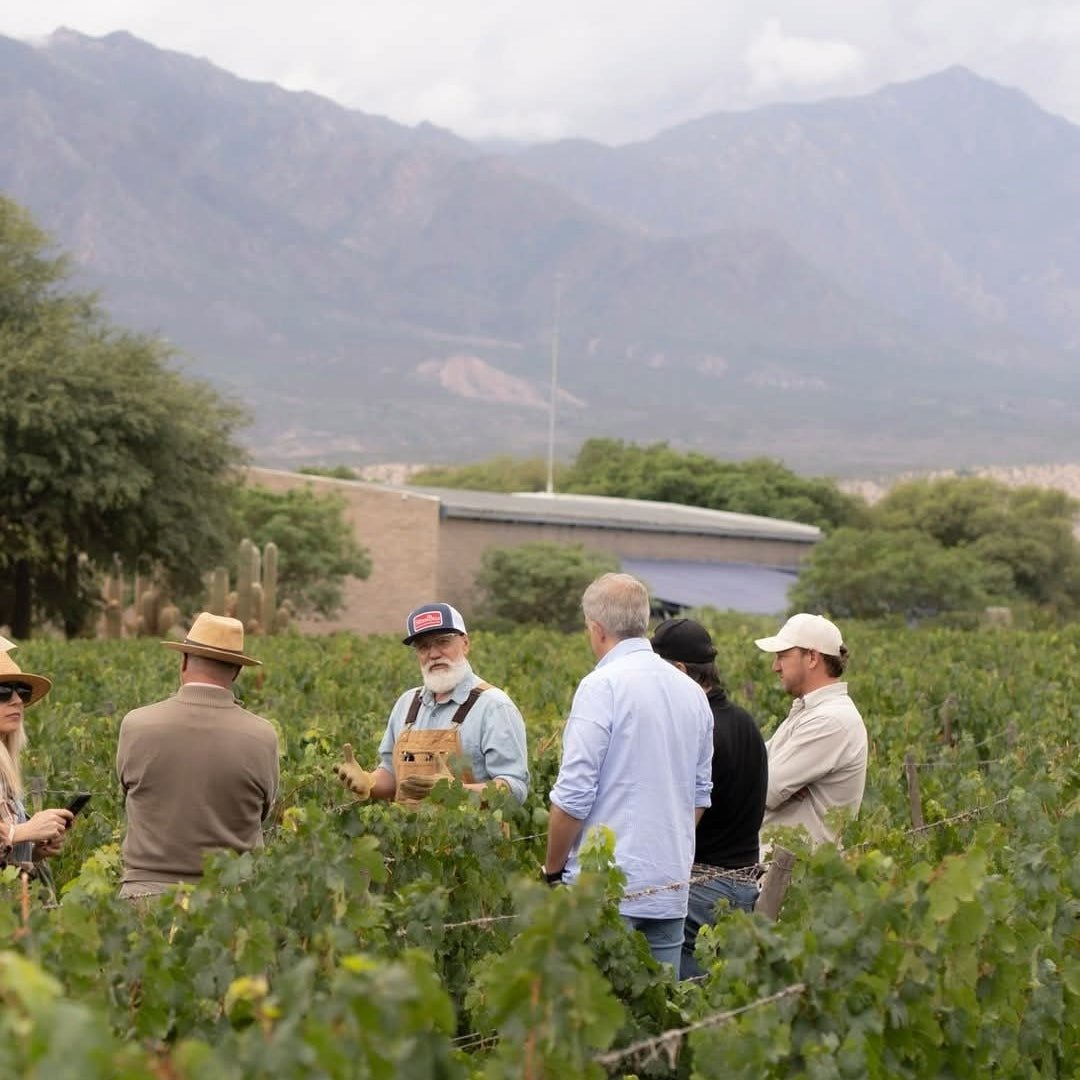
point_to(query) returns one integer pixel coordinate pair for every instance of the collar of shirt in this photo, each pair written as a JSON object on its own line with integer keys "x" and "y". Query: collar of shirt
{"x": 822, "y": 693}
{"x": 624, "y": 648}
{"x": 457, "y": 695}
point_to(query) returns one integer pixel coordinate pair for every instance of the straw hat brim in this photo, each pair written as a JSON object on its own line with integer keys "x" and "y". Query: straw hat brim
{"x": 226, "y": 656}
{"x": 38, "y": 683}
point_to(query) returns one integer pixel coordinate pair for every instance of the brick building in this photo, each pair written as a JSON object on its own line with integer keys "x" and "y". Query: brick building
{"x": 427, "y": 543}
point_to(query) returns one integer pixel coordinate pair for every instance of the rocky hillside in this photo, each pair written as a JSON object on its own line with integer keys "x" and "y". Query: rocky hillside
{"x": 851, "y": 286}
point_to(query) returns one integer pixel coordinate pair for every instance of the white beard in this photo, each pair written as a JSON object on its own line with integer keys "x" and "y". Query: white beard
{"x": 445, "y": 679}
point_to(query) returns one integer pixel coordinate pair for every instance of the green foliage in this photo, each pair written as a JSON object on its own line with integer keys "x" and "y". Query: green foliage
{"x": 657, "y": 472}
{"x": 316, "y": 545}
{"x": 948, "y": 545}
{"x": 514, "y": 992}
{"x": 374, "y": 941}
{"x": 759, "y": 486}
{"x": 539, "y": 583}
{"x": 501, "y": 473}
{"x": 855, "y": 573}
{"x": 335, "y": 472}
{"x": 103, "y": 447}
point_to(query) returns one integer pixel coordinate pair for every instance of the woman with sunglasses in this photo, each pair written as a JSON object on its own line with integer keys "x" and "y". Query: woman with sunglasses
{"x": 23, "y": 839}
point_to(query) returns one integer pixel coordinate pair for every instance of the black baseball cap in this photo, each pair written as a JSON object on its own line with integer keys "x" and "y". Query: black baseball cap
{"x": 684, "y": 640}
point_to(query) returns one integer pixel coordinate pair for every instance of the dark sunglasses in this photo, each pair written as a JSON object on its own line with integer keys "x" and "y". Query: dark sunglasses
{"x": 9, "y": 690}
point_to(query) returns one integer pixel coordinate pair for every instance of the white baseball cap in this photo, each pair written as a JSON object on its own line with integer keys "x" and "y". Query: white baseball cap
{"x": 804, "y": 631}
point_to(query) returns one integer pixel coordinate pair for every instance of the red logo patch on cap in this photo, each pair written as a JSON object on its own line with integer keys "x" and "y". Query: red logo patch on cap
{"x": 427, "y": 620}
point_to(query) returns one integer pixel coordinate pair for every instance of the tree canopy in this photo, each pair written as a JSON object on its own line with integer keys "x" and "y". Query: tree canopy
{"x": 540, "y": 582}
{"x": 946, "y": 545}
{"x": 501, "y": 473}
{"x": 870, "y": 573}
{"x": 316, "y": 545}
{"x": 657, "y": 472}
{"x": 104, "y": 448}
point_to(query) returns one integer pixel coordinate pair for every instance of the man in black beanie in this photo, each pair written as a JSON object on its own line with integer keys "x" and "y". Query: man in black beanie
{"x": 727, "y": 835}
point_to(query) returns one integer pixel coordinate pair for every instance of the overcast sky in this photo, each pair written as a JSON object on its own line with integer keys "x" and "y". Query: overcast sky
{"x": 612, "y": 70}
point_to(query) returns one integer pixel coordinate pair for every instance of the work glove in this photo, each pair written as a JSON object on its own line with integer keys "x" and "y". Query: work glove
{"x": 419, "y": 787}
{"x": 356, "y": 779}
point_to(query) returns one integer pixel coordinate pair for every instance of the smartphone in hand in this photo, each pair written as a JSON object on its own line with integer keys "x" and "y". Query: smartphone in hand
{"x": 79, "y": 802}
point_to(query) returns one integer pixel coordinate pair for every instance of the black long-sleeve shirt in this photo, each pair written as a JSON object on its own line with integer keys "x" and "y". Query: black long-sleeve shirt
{"x": 727, "y": 834}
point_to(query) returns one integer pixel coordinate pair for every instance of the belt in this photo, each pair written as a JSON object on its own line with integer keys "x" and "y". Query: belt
{"x": 743, "y": 873}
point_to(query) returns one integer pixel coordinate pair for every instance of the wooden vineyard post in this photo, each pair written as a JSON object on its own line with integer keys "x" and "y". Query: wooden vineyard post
{"x": 945, "y": 714}
{"x": 777, "y": 880}
{"x": 914, "y": 796}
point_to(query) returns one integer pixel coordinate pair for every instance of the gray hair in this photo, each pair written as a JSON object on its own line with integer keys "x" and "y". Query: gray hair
{"x": 619, "y": 603}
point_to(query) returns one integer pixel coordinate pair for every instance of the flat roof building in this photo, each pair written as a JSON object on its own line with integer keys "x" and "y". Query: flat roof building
{"x": 427, "y": 543}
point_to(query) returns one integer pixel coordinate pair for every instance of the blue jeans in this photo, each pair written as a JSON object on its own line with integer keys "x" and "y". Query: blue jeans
{"x": 665, "y": 937}
{"x": 704, "y": 896}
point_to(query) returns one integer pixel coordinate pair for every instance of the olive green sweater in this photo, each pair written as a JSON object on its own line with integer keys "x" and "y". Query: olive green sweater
{"x": 198, "y": 772}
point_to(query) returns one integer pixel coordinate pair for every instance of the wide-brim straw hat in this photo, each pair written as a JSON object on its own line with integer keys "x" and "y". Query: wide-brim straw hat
{"x": 10, "y": 672}
{"x": 217, "y": 637}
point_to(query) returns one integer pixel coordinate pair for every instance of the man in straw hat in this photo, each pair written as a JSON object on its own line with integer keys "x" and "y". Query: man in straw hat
{"x": 817, "y": 756}
{"x": 198, "y": 771}
{"x": 454, "y": 717}
{"x": 24, "y": 839}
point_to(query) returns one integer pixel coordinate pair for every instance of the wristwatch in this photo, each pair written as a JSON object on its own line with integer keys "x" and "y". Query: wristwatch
{"x": 552, "y": 878}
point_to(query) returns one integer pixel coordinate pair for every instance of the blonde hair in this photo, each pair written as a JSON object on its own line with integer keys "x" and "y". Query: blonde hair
{"x": 11, "y": 744}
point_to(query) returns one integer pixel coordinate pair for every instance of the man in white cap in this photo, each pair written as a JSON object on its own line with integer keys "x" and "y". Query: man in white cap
{"x": 198, "y": 772}
{"x": 453, "y": 727}
{"x": 817, "y": 756}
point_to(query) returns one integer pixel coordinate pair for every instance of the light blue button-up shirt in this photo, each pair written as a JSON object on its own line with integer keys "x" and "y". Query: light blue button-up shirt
{"x": 637, "y": 757}
{"x": 492, "y": 735}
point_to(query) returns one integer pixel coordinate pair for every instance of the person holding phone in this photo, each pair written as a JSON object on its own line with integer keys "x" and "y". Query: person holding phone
{"x": 24, "y": 839}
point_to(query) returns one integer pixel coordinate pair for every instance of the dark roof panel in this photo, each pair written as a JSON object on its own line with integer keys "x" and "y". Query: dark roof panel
{"x": 753, "y": 590}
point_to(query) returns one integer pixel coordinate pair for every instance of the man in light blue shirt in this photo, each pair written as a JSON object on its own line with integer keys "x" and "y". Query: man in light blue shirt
{"x": 637, "y": 757}
{"x": 454, "y": 718}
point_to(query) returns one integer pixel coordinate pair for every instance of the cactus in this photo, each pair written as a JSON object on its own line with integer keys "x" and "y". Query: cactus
{"x": 151, "y": 612}
{"x": 140, "y": 587}
{"x": 254, "y": 600}
{"x": 219, "y": 591}
{"x": 168, "y": 617}
{"x": 114, "y": 620}
{"x": 255, "y": 622}
{"x": 114, "y": 600}
{"x": 269, "y": 588}
{"x": 149, "y": 608}
{"x": 245, "y": 578}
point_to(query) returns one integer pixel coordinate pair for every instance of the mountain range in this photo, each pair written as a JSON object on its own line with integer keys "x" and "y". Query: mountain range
{"x": 857, "y": 285}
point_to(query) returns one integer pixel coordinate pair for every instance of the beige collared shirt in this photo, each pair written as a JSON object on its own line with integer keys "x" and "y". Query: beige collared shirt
{"x": 821, "y": 748}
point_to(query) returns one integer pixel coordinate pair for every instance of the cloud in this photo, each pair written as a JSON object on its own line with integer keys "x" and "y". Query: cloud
{"x": 607, "y": 69}
{"x": 779, "y": 61}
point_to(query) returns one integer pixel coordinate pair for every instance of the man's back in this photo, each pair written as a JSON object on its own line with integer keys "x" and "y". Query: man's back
{"x": 727, "y": 835}
{"x": 636, "y": 757}
{"x": 198, "y": 773}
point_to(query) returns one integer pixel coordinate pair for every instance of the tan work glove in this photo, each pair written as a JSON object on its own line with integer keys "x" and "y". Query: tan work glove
{"x": 356, "y": 779}
{"x": 419, "y": 787}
